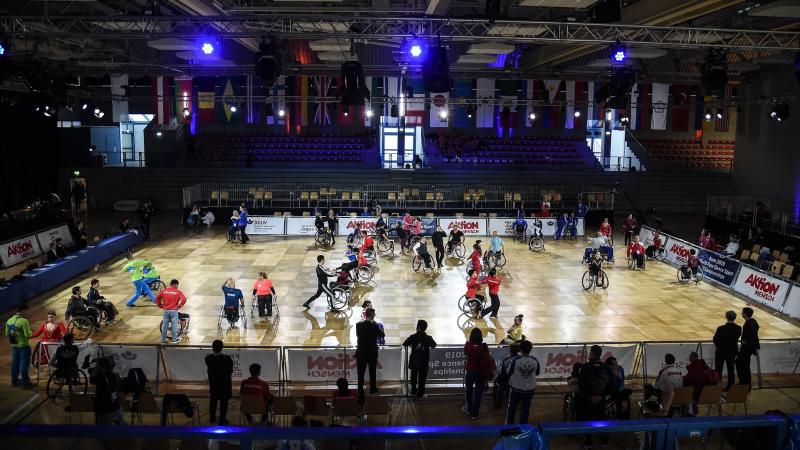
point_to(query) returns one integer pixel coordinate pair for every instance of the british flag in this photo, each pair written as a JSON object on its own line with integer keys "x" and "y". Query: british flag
{"x": 322, "y": 86}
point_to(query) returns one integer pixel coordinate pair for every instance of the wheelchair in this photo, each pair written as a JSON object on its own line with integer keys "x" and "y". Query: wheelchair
{"x": 518, "y": 235}
{"x": 323, "y": 239}
{"x": 232, "y": 316}
{"x": 155, "y": 286}
{"x": 254, "y": 306}
{"x": 412, "y": 241}
{"x": 471, "y": 307}
{"x": 76, "y": 383}
{"x": 494, "y": 260}
{"x": 419, "y": 265}
{"x": 590, "y": 281}
{"x": 81, "y": 327}
{"x": 536, "y": 244}
{"x": 183, "y": 326}
{"x": 385, "y": 246}
{"x": 364, "y": 274}
{"x": 458, "y": 250}
{"x": 695, "y": 278}
{"x": 658, "y": 254}
{"x": 371, "y": 255}
{"x": 235, "y": 237}
{"x": 632, "y": 263}
{"x": 342, "y": 297}
{"x": 484, "y": 270}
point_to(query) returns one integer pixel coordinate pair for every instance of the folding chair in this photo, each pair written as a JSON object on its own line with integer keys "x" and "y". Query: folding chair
{"x": 710, "y": 397}
{"x": 250, "y": 405}
{"x": 316, "y": 406}
{"x": 681, "y": 400}
{"x": 342, "y": 408}
{"x": 737, "y": 394}
{"x": 146, "y": 404}
{"x": 375, "y": 406}
{"x": 282, "y": 406}
{"x": 79, "y": 404}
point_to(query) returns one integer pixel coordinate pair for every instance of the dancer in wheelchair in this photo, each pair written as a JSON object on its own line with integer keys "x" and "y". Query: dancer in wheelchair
{"x": 77, "y": 308}
{"x": 421, "y": 250}
{"x": 356, "y": 260}
{"x": 689, "y": 270}
{"x": 65, "y": 359}
{"x": 651, "y": 249}
{"x": 496, "y": 247}
{"x": 599, "y": 243}
{"x": 636, "y": 252}
{"x": 343, "y": 280}
{"x": 520, "y": 226}
{"x": 595, "y": 263}
{"x": 234, "y": 225}
{"x": 367, "y": 243}
{"x": 381, "y": 229}
{"x": 98, "y": 301}
{"x": 233, "y": 301}
{"x": 456, "y": 236}
{"x": 473, "y": 284}
{"x": 354, "y": 239}
{"x": 475, "y": 257}
{"x": 536, "y": 227}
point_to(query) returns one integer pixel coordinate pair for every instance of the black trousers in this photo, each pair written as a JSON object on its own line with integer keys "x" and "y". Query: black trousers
{"x": 592, "y": 411}
{"x": 264, "y": 302}
{"x": 145, "y": 226}
{"x": 418, "y": 378}
{"x": 362, "y": 364}
{"x": 322, "y": 288}
{"x": 108, "y": 308}
{"x": 243, "y": 235}
{"x": 728, "y": 361}
{"x": 439, "y": 255}
{"x": 628, "y": 237}
{"x": 92, "y": 315}
{"x": 223, "y": 409}
{"x": 493, "y": 307}
{"x": 743, "y": 366}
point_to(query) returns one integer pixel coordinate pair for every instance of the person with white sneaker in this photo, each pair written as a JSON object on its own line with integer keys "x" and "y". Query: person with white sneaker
{"x": 170, "y": 300}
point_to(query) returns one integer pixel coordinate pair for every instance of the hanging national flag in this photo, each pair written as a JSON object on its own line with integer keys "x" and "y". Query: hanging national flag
{"x": 579, "y": 123}
{"x": 591, "y": 106}
{"x": 321, "y": 86}
{"x": 640, "y": 107}
{"x": 439, "y": 110}
{"x": 569, "y": 118}
{"x": 205, "y": 99}
{"x": 462, "y": 89}
{"x": 699, "y": 110}
{"x": 722, "y": 124}
{"x": 681, "y": 107}
{"x": 299, "y": 86}
{"x": 485, "y": 96}
{"x": 415, "y": 110}
{"x": 183, "y": 98}
{"x": 553, "y": 114}
{"x": 529, "y": 105}
{"x": 160, "y": 96}
{"x": 658, "y": 120}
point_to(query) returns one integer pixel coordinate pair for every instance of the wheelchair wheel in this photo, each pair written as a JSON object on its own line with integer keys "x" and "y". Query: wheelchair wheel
{"x": 101, "y": 315}
{"x": 473, "y": 307}
{"x": 81, "y": 327}
{"x": 341, "y": 299}
{"x": 364, "y": 274}
{"x": 698, "y": 277}
{"x": 602, "y": 280}
{"x": 587, "y": 281}
{"x": 536, "y": 244}
{"x": 659, "y": 254}
{"x": 79, "y": 384}
{"x": 169, "y": 329}
{"x": 386, "y": 247}
{"x": 416, "y": 263}
{"x": 157, "y": 286}
{"x": 500, "y": 261}
{"x": 461, "y": 302}
{"x": 460, "y": 250}
{"x": 371, "y": 257}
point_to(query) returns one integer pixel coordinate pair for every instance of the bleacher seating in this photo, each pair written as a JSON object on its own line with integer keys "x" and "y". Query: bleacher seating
{"x": 264, "y": 147}
{"x": 528, "y": 150}
{"x": 689, "y": 154}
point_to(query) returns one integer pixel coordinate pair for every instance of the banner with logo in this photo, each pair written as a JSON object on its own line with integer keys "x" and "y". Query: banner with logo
{"x": 19, "y": 250}
{"x": 761, "y": 287}
{"x": 792, "y": 306}
{"x": 300, "y": 226}
{"x": 127, "y": 357}
{"x": 654, "y": 355}
{"x": 557, "y": 362}
{"x": 778, "y": 357}
{"x": 61, "y": 231}
{"x": 269, "y": 225}
{"x": 504, "y": 227}
{"x": 718, "y": 267}
{"x": 678, "y": 252}
{"x": 428, "y": 225}
{"x": 470, "y": 226}
{"x": 646, "y": 235}
{"x": 188, "y": 363}
{"x": 348, "y": 224}
{"x": 329, "y": 364}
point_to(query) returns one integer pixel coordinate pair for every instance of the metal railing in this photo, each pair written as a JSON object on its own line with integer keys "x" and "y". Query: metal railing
{"x": 764, "y": 212}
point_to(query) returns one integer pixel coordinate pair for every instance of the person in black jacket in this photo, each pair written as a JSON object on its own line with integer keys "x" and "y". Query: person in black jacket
{"x": 220, "y": 371}
{"x": 145, "y": 212}
{"x": 421, "y": 345}
{"x": 61, "y": 251}
{"x": 595, "y": 387}
{"x": 333, "y": 224}
{"x": 749, "y": 347}
{"x": 367, "y": 332}
{"x": 77, "y": 307}
{"x": 95, "y": 299}
{"x": 106, "y": 403}
{"x": 726, "y": 341}
{"x": 322, "y": 283}
{"x": 438, "y": 243}
{"x": 52, "y": 253}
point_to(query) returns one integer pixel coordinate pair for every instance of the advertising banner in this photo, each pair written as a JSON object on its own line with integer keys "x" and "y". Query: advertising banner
{"x": 300, "y": 226}
{"x": 678, "y": 251}
{"x": 348, "y": 224}
{"x": 470, "y": 226}
{"x": 646, "y": 236}
{"x": 188, "y": 363}
{"x": 48, "y": 236}
{"x": 428, "y": 225}
{"x": 778, "y": 357}
{"x": 654, "y": 355}
{"x": 718, "y": 267}
{"x": 270, "y": 225}
{"x": 792, "y": 306}
{"x": 128, "y": 357}
{"x": 761, "y": 287}
{"x": 19, "y": 250}
{"x": 329, "y": 364}
{"x": 504, "y": 227}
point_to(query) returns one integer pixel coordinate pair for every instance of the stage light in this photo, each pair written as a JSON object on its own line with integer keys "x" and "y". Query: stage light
{"x": 609, "y": 114}
{"x": 532, "y": 116}
{"x": 2, "y": 50}
{"x": 415, "y": 51}
{"x": 281, "y": 113}
{"x": 779, "y": 112}
{"x": 345, "y": 113}
{"x": 84, "y": 106}
{"x": 618, "y": 53}
{"x": 233, "y": 108}
{"x": 207, "y": 48}
{"x": 443, "y": 114}
{"x": 577, "y": 114}
{"x": 707, "y": 115}
{"x": 719, "y": 113}
{"x": 158, "y": 133}
{"x": 370, "y": 113}
{"x": 469, "y": 115}
{"x": 186, "y": 112}
{"x": 98, "y": 112}
{"x": 608, "y": 132}
{"x": 624, "y": 119}
{"x": 49, "y": 112}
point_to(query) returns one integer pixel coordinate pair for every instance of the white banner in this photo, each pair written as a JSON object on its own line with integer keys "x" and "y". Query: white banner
{"x": 778, "y": 357}
{"x": 188, "y": 363}
{"x": 471, "y": 226}
{"x": 348, "y": 224}
{"x": 484, "y": 116}
{"x": 300, "y": 226}
{"x": 504, "y": 227}
{"x": 658, "y": 120}
{"x": 129, "y": 357}
{"x": 792, "y": 306}
{"x": 19, "y": 250}
{"x": 646, "y": 236}
{"x": 329, "y": 364}
{"x": 271, "y": 225}
{"x": 654, "y": 355}
{"x": 678, "y": 252}
{"x": 761, "y": 287}
{"x": 61, "y": 231}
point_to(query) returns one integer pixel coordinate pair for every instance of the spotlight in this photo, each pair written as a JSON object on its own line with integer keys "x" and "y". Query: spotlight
{"x": 186, "y": 112}
{"x": 281, "y": 113}
{"x": 84, "y": 106}
{"x": 618, "y": 53}
{"x": 369, "y": 113}
{"x": 98, "y": 112}
{"x": 608, "y": 115}
{"x": 532, "y": 116}
{"x": 233, "y": 108}
{"x": 624, "y": 119}
{"x": 779, "y": 112}
{"x": 2, "y": 50}
{"x": 49, "y": 111}
{"x": 158, "y": 133}
{"x": 207, "y": 48}
{"x": 346, "y": 113}
{"x": 443, "y": 114}
{"x": 415, "y": 51}
{"x": 719, "y": 113}
{"x": 608, "y": 132}
{"x": 577, "y": 114}
{"x": 469, "y": 115}
{"x": 707, "y": 115}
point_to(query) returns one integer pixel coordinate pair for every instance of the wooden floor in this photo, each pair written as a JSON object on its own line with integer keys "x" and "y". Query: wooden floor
{"x": 545, "y": 287}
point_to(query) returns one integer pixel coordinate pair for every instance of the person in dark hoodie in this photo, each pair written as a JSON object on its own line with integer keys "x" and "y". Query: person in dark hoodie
{"x": 421, "y": 345}
{"x": 749, "y": 346}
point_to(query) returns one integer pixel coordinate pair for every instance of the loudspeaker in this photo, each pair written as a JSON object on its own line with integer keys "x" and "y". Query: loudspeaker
{"x": 436, "y": 71}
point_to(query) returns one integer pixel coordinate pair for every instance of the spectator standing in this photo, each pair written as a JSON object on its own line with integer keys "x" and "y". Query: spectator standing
{"x": 438, "y": 238}
{"x": 52, "y": 253}
{"x": 333, "y": 224}
{"x": 726, "y": 340}
{"x": 522, "y": 373}
{"x": 145, "y": 213}
{"x": 220, "y": 371}
{"x": 170, "y": 300}
{"x": 82, "y": 235}
{"x": 125, "y": 225}
{"x": 421, "y": 345}
{"x": 368, "y": 332}
{"x": 629, "y": 226}
{"x": 595, "y": 384}
{"x": 477, "y": 354}
{"x": 256, "y": 386}
{"x": 107, "y": 409}
{"x": 750, "y": 346}
{"x": 18, "y": 331}
{"x": 61, "y": 251}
